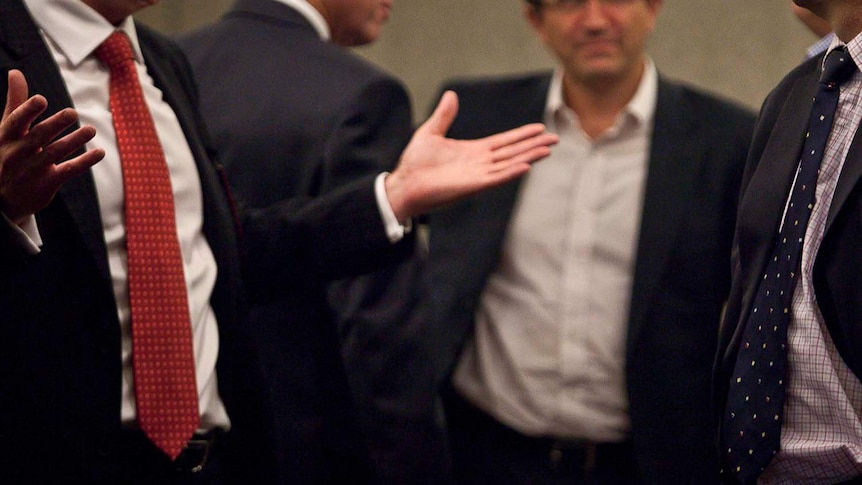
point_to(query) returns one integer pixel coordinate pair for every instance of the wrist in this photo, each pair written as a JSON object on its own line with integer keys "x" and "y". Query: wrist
{"x": 396, "y": 194}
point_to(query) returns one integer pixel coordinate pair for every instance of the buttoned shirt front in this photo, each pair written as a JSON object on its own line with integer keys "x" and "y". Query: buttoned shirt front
{"x": 548, "y": 356}
{"x": 821, "y": 433}
{"x": 72, "y": 31}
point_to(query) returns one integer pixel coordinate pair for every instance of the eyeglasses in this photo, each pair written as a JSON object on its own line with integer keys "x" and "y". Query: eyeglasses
{"x": 573, "y": 5}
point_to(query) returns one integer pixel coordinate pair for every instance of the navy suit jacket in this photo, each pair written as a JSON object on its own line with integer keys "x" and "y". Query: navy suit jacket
{"x": 769, "y": 172}
{"x": 59, "y": 332}
{"x": 682, "y": 268}
{"x": 293, "y": 115}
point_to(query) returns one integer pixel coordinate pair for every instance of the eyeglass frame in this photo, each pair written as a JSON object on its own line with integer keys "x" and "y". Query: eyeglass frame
{"x": 573, "y": 4}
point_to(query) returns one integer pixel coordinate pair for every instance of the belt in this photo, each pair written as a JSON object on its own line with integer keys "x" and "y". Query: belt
{"x": 583, "y": 457}
{"x": 563, "y": 457}
{"x": 138, "y": 452}
{"x": 194, "y": 456}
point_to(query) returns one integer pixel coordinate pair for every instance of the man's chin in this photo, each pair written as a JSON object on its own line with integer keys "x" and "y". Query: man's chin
{"x": 602, "y": 71}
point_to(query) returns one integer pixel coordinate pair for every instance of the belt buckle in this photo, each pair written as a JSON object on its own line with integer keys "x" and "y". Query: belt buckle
{"x": 194, "y": 456}
{"x": 586, "y": 450}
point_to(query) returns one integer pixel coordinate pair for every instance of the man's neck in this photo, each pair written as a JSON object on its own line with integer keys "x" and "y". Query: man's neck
{"x": 845, "y": 17}
{"x": 598, "y": 104}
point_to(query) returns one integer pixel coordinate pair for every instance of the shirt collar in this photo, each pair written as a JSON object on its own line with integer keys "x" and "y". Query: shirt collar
{"x": 76, "y": 30}
{"x": 820, "y": 46}
{"x": 641, "y": 107}
{"x": 312, "y": 15}
{"x": 854, "y": 48}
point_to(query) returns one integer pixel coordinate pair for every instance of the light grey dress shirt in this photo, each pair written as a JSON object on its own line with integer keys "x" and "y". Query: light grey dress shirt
{"x": 548, "y": 356}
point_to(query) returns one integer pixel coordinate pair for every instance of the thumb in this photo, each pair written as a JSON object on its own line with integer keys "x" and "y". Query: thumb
{"x": 443, "y": 116}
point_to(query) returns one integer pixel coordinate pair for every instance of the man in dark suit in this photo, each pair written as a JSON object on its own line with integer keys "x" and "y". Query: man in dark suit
{"x": 583, "y": 302}
{"x": 69, "y": 392}
{"x": 818, "y": 426}
{"x": 317, "y": 118}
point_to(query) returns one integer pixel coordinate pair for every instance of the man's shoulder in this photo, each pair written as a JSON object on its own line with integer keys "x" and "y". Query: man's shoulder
{"x": 493, "y": 84}
{"x": 285, "y": 50}
{"x": 704, "y": 103}
{"x": 805, "y": 72}
{"x": 158, "y": 46}
{"x": 357, "y": 68}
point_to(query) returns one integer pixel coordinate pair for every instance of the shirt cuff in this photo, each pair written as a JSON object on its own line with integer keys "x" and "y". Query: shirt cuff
{"x": 26, "y": 235}
{"x": 395, "y": 231}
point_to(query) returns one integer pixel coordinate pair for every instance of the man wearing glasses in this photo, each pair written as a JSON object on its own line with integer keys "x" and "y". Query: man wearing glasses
{"x": 583, "y": 303}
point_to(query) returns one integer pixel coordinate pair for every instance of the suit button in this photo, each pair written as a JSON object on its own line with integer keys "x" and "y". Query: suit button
{"x": 106, "y": 446}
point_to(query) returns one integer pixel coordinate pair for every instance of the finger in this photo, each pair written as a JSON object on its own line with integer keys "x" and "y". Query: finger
{"x": 505, "y": 173}
{"x": 443, "y": 116}
{"x": 78, "y": 165}
{"x": 46, "y": 130}
{"x": 525, "y": 158}
{"x": 17, "y": 123}
{"x": 69, "y": 143}
{"x": 16, "y": 93}
{"x": 514, "y": 135}
{"x": 542, "y": 140}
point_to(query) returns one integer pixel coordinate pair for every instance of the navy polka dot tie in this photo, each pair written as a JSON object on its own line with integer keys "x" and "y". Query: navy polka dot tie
{"x": 162, "y": 354}
{"x": 752, "y": 424}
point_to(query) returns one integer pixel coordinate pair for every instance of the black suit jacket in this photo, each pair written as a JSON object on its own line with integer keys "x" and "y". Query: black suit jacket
{"x": 59, "y": 333}
{"x": 682, "y": 269}
{"x": 292, "y": 115}
{"x": 772, "y": 161}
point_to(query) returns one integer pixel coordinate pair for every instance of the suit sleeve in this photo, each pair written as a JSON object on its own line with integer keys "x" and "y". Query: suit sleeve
{"x": 303, "y": 239}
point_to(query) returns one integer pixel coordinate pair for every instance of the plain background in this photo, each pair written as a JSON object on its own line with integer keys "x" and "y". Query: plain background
{"x": 737, "y": 48}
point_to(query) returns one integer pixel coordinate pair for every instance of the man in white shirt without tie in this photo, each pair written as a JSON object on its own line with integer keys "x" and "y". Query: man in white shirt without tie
{"x": 583, "y": 302}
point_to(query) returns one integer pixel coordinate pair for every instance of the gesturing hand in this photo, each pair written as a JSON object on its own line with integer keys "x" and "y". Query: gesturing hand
{"x": 30, "y": 168}
{"x": 435, "y": 170}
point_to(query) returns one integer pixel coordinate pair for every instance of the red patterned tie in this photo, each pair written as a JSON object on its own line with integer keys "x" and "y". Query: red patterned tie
{"x": 162, "y": 355}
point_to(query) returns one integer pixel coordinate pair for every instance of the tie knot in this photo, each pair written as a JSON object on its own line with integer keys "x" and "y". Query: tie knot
{"x": 837, "y": 68}
{"x": 115, "y": 50}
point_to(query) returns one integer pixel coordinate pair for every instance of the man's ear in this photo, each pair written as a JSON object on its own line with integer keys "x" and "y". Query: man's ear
{"x": 533, "y": 14}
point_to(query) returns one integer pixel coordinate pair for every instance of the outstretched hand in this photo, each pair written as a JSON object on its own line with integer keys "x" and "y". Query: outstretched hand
{"x": 435, "y": 170}
{"x": 31, "y": 171}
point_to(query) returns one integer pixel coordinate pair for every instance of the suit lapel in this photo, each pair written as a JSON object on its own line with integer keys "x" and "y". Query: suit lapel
{"x": 673, "y": 167}
{"x": 529, "y": 109}
{"x": 21, "y": 36}
{"x": 762, "y": 205}
{"x": 475, "y": 229}
{"x": 492, "y": 209}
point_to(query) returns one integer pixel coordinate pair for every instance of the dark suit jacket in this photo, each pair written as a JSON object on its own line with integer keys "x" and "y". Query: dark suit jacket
{"x": 682, "y": 269}
{"x": 292, "y": 115}
{"x": 778, "y": 139}
{"x": 59, "y": 333}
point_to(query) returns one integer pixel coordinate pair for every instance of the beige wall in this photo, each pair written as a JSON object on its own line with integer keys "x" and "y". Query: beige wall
{"x": 739, "y": 48}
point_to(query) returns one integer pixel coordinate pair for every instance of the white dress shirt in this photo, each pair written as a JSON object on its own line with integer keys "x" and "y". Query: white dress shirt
{"x": 548, "y": 356}
{"x": 73, "y": 31}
